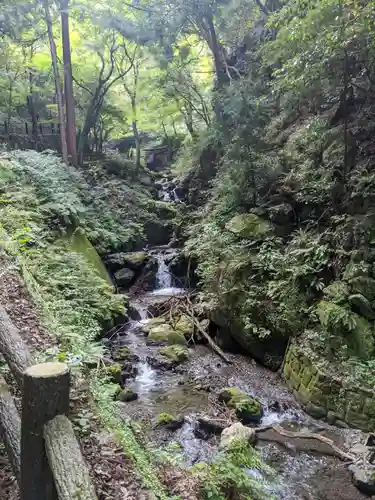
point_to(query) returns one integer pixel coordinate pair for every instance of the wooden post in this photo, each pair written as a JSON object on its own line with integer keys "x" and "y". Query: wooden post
{"x": 45, "y": 394}
{"x": 71, "y": 475}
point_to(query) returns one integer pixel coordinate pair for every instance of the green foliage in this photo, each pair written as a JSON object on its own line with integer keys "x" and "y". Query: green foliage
{"x": 229, "y": 477}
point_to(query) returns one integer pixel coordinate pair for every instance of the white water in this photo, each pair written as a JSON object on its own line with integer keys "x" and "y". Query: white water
{"x": 163, "y": 276}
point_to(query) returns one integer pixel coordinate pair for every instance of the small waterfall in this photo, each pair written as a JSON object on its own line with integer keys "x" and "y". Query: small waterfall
{"x": 163, "y": 276}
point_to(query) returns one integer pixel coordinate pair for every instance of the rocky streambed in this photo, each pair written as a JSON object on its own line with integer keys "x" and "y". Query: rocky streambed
{"x": 185, "y": 396}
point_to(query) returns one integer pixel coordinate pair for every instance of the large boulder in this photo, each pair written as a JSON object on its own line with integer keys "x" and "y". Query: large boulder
{"x": 248, "y": 226}
{"x": 237, "y": 432}
{"x": 124, "y": 277}
{"x": 158, "y": 233}
{"x": 365, "y": 286}
{"x": 363, "y": 478}
{"x": 248, "y": 409}
{"x": 362, "y": 306}
{"x": 164, "y": 334}
{"x": 337, "y": 292}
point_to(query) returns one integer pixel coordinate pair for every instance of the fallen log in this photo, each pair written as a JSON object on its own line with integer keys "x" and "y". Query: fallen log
{"x": 13, "y": 348}
{"x": 10, "y": 428}
{"x": 69, "y": 470}
{"x": 335, "y": 450}
{"x": 45, "y": 394}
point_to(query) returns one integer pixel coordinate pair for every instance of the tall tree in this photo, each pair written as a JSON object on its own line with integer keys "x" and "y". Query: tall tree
{"x": 68, "y": 83}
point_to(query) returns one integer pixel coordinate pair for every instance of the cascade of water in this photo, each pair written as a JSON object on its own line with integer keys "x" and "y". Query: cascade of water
{"x": 163, "y": 276}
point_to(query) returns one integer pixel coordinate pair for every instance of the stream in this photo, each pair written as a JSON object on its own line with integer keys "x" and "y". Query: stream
{"x": 189, "y": 391}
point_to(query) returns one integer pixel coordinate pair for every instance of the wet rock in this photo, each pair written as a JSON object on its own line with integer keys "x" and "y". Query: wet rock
{"x": 160, "y": 362}
{"x": 164, "y": 334}
{"x": 169, "y": 422}
{"x": 237, "y": 432}
{"x": 248, "y": 409}
{"x": 124, "y": 277}
{"x": 175, "y": 353}
{"x": 133, "y": 260}
{"x": 185, "y": 326}
{"x": 315, "y": 411}
{"x": 207, "y": 427}
{"x": 363, "y": 478}
{"x": 121, "y": 354}
{"x": 158, "y": 232}
{"x": 128, "y": 371}
{"x": 126, "y": 395}
{"x": 361, "y": 306}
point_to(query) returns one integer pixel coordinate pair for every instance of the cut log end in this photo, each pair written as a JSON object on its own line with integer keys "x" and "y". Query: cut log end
{"x": 47, "y": 370}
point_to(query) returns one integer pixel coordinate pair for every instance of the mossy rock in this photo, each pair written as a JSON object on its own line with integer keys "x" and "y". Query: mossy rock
{"x": 185, "y": 326}
{"x": 124, "y": 277}
{"x": 332, "y": 316}
{"x": 248, "y": 226}
{"x": 164, "y": 334}
{"x": 362, "y": 306}
{"x": 169, "y": 421}
{"x": 114, "y": 372}
{"x": 355, "y": 270}
{"x": 248, "y": 409}
{"x": 121, "y": 354}
{"x": 151, "y": 323}
{"x": 361, "y": 339}
{"x": 365, "y": 286}
{"x": 337, "y": 292}
{"x": 126, "y": 395}
{"x": 176, "y": 353}
{"x": 79, "y": 243}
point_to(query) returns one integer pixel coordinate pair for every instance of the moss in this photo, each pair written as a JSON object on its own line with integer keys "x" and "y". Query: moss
{"x": 361, "y": 305}
{"x": 164, "y": 418}
{"x": 248, "y": 409}
{"x": 184, "y": 325}
{"x": 114, "y": 372}
{"x": 165, "y": 334}
{"x": 134, "y": 259}
{"x": 176, "y": 353}
{"x": 247, "y": 225}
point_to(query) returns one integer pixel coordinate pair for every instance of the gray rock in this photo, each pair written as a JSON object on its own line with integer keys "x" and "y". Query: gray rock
{"x": 363, "y": 478}
{"x": 124, "y": 277}
{"x": 361, "y": 306}
{"x": 237, "y": 432}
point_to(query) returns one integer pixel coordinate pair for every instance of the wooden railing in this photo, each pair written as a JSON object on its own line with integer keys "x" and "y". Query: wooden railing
{"x": 41, "y": 445}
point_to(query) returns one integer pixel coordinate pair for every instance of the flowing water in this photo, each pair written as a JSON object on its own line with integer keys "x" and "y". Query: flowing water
{"x": 189, "y": 391}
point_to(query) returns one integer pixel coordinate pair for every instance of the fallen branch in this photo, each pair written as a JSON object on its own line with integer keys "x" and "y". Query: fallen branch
{"x": 338, "y": 452}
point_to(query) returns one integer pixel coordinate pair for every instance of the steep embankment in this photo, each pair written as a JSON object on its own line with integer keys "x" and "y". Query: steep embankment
{"x": 285, "y": 247}
{"x": 53, "y": 220}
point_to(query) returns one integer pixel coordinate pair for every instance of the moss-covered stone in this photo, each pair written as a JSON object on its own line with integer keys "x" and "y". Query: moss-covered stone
{"x": 185, "y": 326}
{"x": 247, "y": 226}
{"x": 337, "y": 292}
{"x": 365, "y": 286}
{"x": 248, "y": 409}
{"x": 176, "y": 353}
{"x": 114, "y": 372}
{"x": 126, "y": 395}
{"x": 362, "y": 306}
{"x": 356, "y": 269}
{"x": 169, "y": 421}
{"x": 164, "y": 334}
{"x": 121, "y": 354}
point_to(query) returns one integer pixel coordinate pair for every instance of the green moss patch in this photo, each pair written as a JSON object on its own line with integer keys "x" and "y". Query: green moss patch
{"x": 176, "y": 353}
{"x": 248, "y": 409}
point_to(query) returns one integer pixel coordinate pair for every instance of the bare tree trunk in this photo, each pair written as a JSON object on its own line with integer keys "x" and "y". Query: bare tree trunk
{"x": 217, "y": 52}
{"x": 68, "y": 81}
{"x": 136, "y": 135}
{"x": 59, "y": 100}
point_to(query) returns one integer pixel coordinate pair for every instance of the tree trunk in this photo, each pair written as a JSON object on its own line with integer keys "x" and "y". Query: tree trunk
{"x": 217, "y": 52}
{"x": 89, "y": 122}
{"x": 68, "y": 81}
{"x": 59, "y": 100}
{"x": 10, "y": 428}
{"x": 71, "y": 475}
{"x": 31, "y": 107}
{"x": 13, "y": 348}
{"x": 136, "y": 135}
{"x": 45, "y": 395}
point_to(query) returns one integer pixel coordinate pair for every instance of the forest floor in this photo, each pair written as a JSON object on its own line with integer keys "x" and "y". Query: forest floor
{"x": 111, "y": 471}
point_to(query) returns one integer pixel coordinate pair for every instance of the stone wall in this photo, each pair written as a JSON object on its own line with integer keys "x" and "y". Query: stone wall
{"x": 323, "y": 396}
